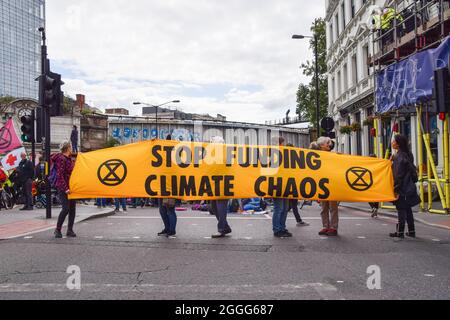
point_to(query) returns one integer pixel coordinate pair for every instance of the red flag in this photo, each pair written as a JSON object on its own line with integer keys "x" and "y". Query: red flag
{"x": 8, "y": 138}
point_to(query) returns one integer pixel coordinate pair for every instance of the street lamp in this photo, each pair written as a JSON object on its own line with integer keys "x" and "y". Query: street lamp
{"x": 156, "y": 106}
{"x": 316, "y": 55}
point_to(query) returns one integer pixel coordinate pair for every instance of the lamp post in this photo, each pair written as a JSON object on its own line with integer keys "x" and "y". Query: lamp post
{"x": 156, "y": 107}
{"x": 316, "y": 56}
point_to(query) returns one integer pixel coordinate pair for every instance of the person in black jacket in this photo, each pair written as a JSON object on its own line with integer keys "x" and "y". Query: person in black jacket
{"x": 26, "y": 176}
{"x": 405, "y": 178}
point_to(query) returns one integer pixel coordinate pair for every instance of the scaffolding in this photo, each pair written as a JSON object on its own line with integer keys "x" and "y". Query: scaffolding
{"x": 416, "y": 26}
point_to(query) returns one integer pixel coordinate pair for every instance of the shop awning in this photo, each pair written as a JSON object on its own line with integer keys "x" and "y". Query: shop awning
{"x": 410, "y": 81}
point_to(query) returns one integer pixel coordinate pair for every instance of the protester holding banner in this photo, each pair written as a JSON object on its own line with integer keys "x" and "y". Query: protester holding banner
{"x": 280, "y": 211}
{"x": 220, "y": 207}
{"x": 405, "y": 178}
{"x": 169, "y": 217}
{"x": 25, "y": 178}
{"x": 64, "y": 167}
{"x": 330, "y": 226}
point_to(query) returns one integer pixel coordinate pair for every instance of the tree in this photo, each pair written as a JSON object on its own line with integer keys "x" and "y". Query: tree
{"x": 306, "y": 94}
{"x": 6, "y": 100}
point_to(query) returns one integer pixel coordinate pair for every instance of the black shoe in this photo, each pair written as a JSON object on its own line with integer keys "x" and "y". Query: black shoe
{"x": 282, "y": 234}
{"x": 71, "y": 234}
{"x": 287, "y": 234}
{"x": 163, "y": 233}
{"x": 411, "y": 234}
{"x": 397, "y": 235}
{"x": 171, "y": 235}
{"x": 58, "y": 234}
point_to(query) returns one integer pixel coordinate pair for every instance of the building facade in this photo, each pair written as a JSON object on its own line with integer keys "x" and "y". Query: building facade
{"x": 134, "y": 129}
{"x": 350, "y": 78}
{"x": 121, "y": 111}
{"x": 20, "y": 47}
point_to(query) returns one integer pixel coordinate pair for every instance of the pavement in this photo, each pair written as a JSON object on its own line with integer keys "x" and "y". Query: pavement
{"x": 121, "y": 257}
{"x": 15, "y": 223}
{"x": 430, "y": 219}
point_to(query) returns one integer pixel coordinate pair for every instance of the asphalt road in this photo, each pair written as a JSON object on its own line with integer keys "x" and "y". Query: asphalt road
{"x": 120, "y": 257}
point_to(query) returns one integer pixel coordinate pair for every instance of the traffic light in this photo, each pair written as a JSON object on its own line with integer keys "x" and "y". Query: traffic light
{"x": 441, "y": 92}
{"x": 327, "y": 125}
{"x": 53, "y": 96}
{"x": 27, "y": 128}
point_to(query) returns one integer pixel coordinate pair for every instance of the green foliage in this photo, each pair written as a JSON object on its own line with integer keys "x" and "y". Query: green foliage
{"x": 306, "y": 94}
{"x": 356, "y": 126}
{"x": 346, "y": 129}
{"x": 6, "y": 100}
{"x": 111, "y": 143}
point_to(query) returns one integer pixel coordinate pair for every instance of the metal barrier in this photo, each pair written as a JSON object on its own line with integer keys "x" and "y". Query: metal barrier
{"x": 431, "y": 178}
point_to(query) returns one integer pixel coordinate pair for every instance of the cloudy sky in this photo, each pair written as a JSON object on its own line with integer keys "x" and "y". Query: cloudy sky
{"x": 233, "y": 57}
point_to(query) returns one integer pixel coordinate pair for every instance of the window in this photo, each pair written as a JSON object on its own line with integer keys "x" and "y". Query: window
{"x": 366, "y": 67}
{"x": 331, "y": 34}
{"x": 353, "y": 8}
{"x": 358, "y": 135}
{"x": 370, "y": 127}
{"x": 336, "y": 19}
{"x": 349, "y": 136}
{"x": 354, "y": 70}
{"x": 338, "y": 87}
{"x": 332, "y": 89}
{"x": 345, "y": 77}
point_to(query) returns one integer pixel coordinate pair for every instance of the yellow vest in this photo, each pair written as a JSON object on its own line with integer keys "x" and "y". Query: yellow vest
{"x": 388, "y": 18}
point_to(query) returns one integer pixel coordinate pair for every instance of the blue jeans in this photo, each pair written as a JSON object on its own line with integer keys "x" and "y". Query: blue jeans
{"x": 220, "y": 208}
{"x": 100, "y": 202}
{"x": 169, "y": 218}
{"x": 121, "y": 202}
{"x": 75, "y": 147}
{"x": 280, "y": 210}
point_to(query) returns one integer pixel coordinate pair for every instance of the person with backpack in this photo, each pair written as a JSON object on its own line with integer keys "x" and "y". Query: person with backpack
{"x": 62, "y": 166}
{"x": 405, "y": 178}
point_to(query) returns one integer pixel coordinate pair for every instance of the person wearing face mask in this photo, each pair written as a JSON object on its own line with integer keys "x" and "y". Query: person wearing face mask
{"x": 330, "y": 213}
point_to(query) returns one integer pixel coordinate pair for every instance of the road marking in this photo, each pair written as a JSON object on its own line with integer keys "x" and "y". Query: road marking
{"x": 429, "y": 275}
{"x": 361, "y": 237}
{"x": 248, "y": 238}
{"x": 325, "y": 291}
{"x": 340, "y": 281}
{"x": 207, "y": 237}
{"x": 98, "y": 237}
{"x": 358, "y": 225}
{"x": 436, "y": 240}
{"x": 231, "y": 218}
{"x": 28, "y": 237}
{"x": 136, "y": 237}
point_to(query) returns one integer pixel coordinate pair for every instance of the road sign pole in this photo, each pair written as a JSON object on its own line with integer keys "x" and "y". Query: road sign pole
{"x": 33, "y": 141}
{"x": 46, "y": 124}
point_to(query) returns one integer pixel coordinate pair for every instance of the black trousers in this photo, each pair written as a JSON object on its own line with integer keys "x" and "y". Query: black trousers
{"x": 27, "y": 192}
{"x": 405, "y": 215}
{"x": 68, "y": 208}
{"x": 294, "y": 206}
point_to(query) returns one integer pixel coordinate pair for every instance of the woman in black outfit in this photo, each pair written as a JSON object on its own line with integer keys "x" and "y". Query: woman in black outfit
{"x": 405, "y": 178}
